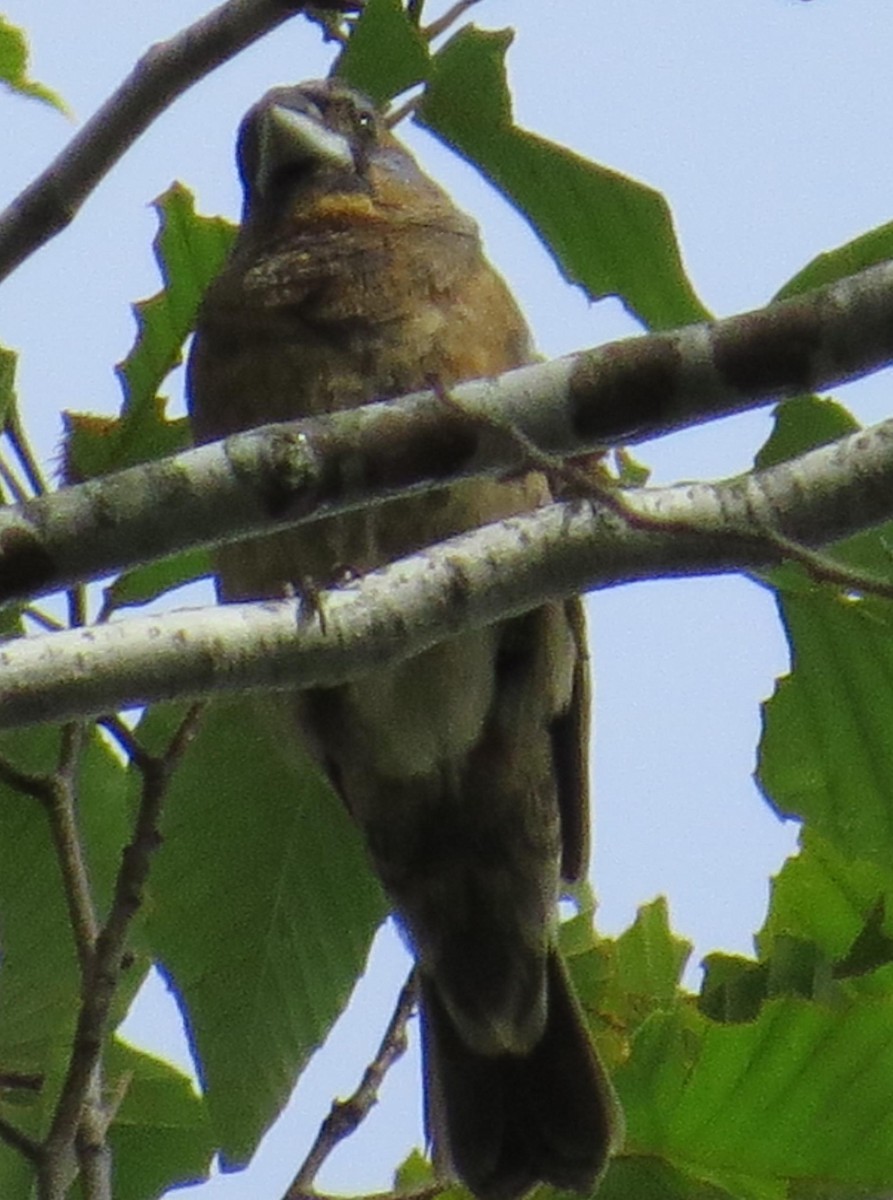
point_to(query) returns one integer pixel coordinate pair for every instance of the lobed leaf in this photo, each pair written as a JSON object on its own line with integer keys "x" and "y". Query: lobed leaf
{"x": 825, "y": 754}
{"x": 190, "y": 250}
{"x": 804, "y": 1094}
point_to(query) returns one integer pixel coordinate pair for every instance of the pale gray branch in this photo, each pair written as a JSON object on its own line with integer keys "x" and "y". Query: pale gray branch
{"x": 467, "y": 582}
{"x": 282, "y": 475}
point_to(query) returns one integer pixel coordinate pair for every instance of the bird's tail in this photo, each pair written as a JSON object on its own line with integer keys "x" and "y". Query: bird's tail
{"x": 504, "y": 1123}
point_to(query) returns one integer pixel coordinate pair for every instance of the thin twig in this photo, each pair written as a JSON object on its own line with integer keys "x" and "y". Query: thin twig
{"x": 117, "y": 1096}
{"x": 93, "y": 1151}
{"x": 576, "y": 480}
{"x": 346, "y": 1115}
{"x": 36, "y": 786}
{"x": 61, "y": 808}
{"x": 76, "y": 603}
{"x": 405, "y": 110}
{"x": 94, "y": 1155}
{"x": 328, "y": 24}
{"x": 183, "y": 735}
{"x": 71, "y": 747}
{"x": 17, "y": 493}
{"x": 126, "y": 740}
{"x": 19, "y": 1141}
{"x": 108, "y": 957}
{"x": 164, "y": 72}
{"x": 824, "y": 569}
{"x": 26, "y": 1081}
{"x": 44, "y": 620}
{"x": 21, "y": 446}
{"x": 450, "y": 17}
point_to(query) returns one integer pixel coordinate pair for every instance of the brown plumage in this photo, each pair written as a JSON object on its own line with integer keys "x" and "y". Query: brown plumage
{"x": 355, "y": 278}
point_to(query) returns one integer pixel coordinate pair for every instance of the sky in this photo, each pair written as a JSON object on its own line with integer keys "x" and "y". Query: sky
{"x": 766, "y": 123}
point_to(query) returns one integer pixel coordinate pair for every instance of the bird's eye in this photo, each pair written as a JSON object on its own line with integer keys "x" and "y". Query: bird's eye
{"x": 365, "y": 122}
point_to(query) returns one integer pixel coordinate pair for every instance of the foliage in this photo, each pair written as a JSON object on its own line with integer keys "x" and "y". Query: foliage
{"x": 14, "y": 67}
{"x": 262, "y": 928}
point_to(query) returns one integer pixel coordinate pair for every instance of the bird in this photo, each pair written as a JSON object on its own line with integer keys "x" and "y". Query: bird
{"x": 355, "y": 278}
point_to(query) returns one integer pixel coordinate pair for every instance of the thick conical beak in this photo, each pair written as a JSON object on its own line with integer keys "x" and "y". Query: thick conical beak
{"x": 290, "y": 138}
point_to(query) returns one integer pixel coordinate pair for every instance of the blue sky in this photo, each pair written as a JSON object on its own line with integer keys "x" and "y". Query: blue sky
{"x": 766, "y": 123}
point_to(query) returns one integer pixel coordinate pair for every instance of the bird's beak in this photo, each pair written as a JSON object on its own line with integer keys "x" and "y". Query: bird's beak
{"x": 298, "y": 139}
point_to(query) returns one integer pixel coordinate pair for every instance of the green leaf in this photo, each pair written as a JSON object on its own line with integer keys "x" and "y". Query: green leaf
{"x": 14, "y": 67}
{"x": 39, "y": 983}
{"x": 99, "y": 445}
{"x": 146, "y": 583}
{"x": 650, "y": 958}
{"x": 607, "y": 233}
{"x": 827, "y": 923}
{"x": 263, "y": 909}
{"x": 747, "y": 1107}
{"x": 734, "y": 987}
{"x": 801, "y": 424}
{"x": 161, "y": 1136}
{"x": 386, "y": 53}
{"x": 826, "y": 754}
{"x": 808, "y": 421}
{"x": 11, "y": 624}
{"x": 39, "y": 977}
{"x": 619, "y": 982}
{"x": 414, "y": 1173}
{"x": 190, "y": 250}
{"x": 647, "y": 1178}
{"x": 872, "y": 949}
{"x": 867, "y": 250}
{"x": 798, "y": 968}
{"x": 16, "y": 1173}
{"x": 825, "y": 897}
{"x": 628, "y": 470}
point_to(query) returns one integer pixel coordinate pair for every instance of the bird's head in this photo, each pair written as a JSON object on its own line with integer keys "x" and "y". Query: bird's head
{"x": 321, "y": 153}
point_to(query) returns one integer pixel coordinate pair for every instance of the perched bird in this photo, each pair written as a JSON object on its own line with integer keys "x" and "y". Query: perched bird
{"x": 355, "y": 278}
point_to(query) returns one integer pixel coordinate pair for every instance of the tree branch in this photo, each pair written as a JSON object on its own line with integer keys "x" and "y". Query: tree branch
{"x": 61, "y": 812}
{"x": 19, "y": 1141}
{"x": 450, "y": 17}
{"x": 25, "y": 456}
{"x": 284, "y": 474}
{"x": 80, "y": 1122}
{"x": 166, "y": 70}
{"x": 94, "y": 1155}
{"x": 345, "y": 1116}
{"x": 469, "y": 581}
